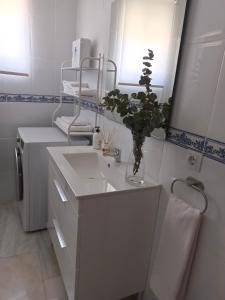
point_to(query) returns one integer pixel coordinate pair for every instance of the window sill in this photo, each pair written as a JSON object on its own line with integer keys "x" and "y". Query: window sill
{"x": 3, "y": 72}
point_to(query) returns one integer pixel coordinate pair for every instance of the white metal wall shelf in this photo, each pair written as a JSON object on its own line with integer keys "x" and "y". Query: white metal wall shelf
{"x": 99, "y": 69}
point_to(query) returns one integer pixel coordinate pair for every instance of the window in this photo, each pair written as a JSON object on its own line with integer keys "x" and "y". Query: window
{"x": 14, "y": 36}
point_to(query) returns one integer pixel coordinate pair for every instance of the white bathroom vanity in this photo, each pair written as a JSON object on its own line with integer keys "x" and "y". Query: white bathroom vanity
{"x": 100, "y": 226}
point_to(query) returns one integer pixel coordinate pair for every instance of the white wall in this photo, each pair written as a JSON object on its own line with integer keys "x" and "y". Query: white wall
{"x": 199, "y": 108}
{"x": 93, "y": 20}
{"x": 52, "y": 28}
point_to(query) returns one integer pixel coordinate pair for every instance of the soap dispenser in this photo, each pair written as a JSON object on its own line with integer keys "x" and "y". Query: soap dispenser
{"x": 97, "y": 139}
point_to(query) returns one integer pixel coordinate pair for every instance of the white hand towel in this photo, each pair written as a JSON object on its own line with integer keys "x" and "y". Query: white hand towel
{"x": 176, "y": 250}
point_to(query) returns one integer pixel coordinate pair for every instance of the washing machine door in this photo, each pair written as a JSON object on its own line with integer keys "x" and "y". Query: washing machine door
{"x": 19, "y": 174}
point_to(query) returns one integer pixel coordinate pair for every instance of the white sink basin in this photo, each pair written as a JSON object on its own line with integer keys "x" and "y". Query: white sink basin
{"x": 89, "y": 165}
{"x": 88, "y": 172}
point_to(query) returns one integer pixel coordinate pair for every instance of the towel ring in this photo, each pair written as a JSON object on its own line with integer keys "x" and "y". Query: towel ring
{"x": 196, "y": 185}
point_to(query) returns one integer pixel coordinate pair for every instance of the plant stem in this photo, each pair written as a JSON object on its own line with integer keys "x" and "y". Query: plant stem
{"x": 137, "y": 151}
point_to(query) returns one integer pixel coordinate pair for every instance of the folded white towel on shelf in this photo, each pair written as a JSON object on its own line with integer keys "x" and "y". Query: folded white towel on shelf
{"x": 68, "y": 120}
{"x": 74, "y": 128}
{"x": 85, "y": 92}
{"x": 176, "y": 250}
{"x": 75, "y": 84}
{"x": 69, "y": 90}
{"x": 73, "y": 88}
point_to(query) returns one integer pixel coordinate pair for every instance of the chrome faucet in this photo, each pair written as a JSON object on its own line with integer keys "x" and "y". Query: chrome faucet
{"x": 114, "y": 152}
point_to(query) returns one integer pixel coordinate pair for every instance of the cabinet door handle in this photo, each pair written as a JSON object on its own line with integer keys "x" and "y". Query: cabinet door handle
{"x": 60, "y": 191}
{"x": 61, "y": 240}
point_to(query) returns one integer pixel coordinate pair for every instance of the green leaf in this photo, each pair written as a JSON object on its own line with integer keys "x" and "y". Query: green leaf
{"x": 147, "y": 64}
{"x": 144, "y": 118}
{"x": 146, "y": 71}
{"x": 150, "y": 54}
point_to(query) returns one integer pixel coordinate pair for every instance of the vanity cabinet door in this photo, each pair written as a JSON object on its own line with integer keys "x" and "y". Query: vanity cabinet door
{"x": 66, "y": 216}
{"x": 67, "y": 267}
{"x": 62, "y": 226}
{"x": 116, "y": 237}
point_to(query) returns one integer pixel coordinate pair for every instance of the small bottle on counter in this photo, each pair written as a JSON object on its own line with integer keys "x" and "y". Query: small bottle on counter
{"x": 106, "y": 148}
{"x": 97, "y": 139}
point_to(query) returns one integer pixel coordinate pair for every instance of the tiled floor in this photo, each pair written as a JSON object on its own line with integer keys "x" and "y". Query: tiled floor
{"x": 28, "y": 266}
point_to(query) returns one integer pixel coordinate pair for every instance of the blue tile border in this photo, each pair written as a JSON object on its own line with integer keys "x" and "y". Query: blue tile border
{"x": 27, "y": 98}
{"x": 215, "y": 150}
{"x": 2, "y": 98}
{"x": 209, "y": 148}
{"x": 186, "y": 139}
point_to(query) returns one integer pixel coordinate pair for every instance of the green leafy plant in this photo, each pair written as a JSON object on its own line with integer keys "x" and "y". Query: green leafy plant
{"x": 141, "y": 113}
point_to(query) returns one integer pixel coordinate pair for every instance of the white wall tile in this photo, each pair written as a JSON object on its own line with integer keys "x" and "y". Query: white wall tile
{"x": 197, "y": 86}
{"x": 7, "y": 170}
{"x": 42, "y": 37}
{"x": 6, "y": 154}
{"x": 153, "y": 154}
{"x": 43, "y": 77}
{"x": 41, "y": 7}
{"x": 57, "y": 78}
{"x": 7, "y": 187}
{"x": 217, "y": 123}
{"x": 1, "y": 83}
{"x": 207, "y": 277}
{"x": 206, "y": 21}
{"x": 98, "y": 29}
{"x": 16, "y": 84}
{"x": 208, "y": 268}
{"x": 14, "y": 115}
{"x": 65, "y": 22}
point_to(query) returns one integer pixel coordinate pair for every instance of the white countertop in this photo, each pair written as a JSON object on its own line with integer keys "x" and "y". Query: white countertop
{"x": 83, "y": 183}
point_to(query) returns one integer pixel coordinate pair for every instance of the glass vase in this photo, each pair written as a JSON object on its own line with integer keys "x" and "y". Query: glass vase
{"x": 135, "y": 172}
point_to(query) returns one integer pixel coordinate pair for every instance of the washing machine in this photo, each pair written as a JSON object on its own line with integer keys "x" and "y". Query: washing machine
{"x": 32, "y": 171}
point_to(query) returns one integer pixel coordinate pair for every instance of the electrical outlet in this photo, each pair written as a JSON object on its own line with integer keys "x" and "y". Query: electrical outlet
{"x": 194, "y": 160}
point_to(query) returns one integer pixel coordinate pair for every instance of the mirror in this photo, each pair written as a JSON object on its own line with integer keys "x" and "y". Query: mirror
{"x": 139, "y": 25}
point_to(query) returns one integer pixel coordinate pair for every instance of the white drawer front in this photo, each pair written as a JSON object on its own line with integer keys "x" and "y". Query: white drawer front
{"x": 65, "y": 214}
{"x": 56, "y": 175}
{"x": 67, "y": 267}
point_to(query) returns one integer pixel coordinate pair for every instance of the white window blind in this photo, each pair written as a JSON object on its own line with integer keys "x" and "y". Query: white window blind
{"x": 14, "y": 37}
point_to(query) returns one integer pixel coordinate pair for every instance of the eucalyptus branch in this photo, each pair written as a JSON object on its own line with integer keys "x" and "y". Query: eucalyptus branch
{"x": 143, "y": 118}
